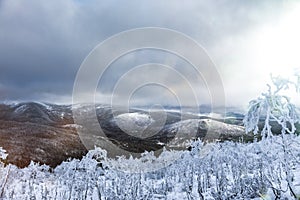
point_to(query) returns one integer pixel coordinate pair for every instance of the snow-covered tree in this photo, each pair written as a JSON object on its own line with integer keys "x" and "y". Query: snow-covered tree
{"x": 273, "y": 106}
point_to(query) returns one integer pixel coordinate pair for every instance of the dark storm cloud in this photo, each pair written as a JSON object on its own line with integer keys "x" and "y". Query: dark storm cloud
{"x": 42, "y": 43}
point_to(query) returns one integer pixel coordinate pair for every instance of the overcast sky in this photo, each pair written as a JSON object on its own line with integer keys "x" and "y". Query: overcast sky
{"x": 43, "y": 43}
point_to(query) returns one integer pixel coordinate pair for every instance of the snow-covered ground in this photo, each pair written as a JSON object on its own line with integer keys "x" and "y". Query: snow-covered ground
{"x": 133, "y": 123}
{"x": 226, "y": 170}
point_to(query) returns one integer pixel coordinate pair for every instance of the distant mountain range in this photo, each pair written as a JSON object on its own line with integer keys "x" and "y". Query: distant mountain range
{"x": 46, "y": 133}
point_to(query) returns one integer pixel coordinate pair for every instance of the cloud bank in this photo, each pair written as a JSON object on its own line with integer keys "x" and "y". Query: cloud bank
{"x": 43, "y": 43}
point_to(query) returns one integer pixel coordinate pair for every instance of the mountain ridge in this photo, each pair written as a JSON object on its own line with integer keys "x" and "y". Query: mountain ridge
{"x": 46, "y": 133}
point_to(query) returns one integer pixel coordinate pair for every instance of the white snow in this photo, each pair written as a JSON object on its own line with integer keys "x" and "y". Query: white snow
{"x": 21, "y": 109}
{"x": 72, "y": 126}
{"x": 139, "y": 118}
{"x": 134, "y": 123}
{"x": 47, "y": 106}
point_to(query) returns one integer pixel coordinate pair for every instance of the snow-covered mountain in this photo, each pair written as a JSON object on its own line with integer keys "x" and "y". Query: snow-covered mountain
{"x": 48, "y": 134}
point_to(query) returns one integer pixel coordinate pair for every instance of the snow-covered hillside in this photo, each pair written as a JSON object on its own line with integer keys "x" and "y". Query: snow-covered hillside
{"x": 133, "y": 123}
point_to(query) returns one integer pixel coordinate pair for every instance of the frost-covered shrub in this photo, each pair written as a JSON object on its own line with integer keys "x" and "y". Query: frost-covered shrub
{"x": 226, "y": 170}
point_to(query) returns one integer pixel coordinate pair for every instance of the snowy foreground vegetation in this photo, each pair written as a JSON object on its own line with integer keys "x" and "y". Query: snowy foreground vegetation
{"x": 265, "y": 169}
{"x": 227, "y": 171}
